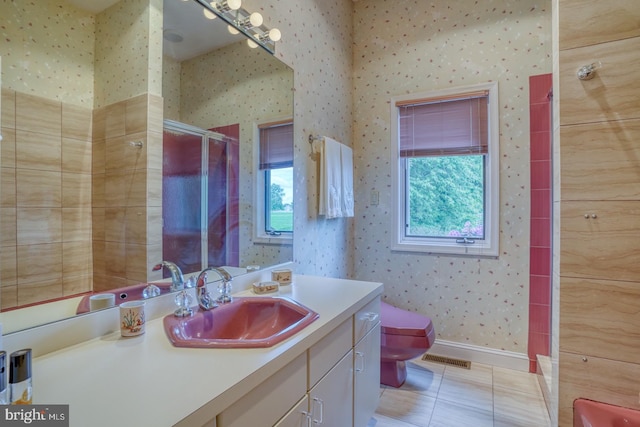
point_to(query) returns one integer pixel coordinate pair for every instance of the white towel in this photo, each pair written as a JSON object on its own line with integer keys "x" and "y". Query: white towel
{"x": 347, "y": 180}
{"x": 330, "y": 203}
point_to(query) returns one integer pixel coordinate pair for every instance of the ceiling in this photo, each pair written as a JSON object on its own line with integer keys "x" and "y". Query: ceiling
{"x": 187, "y": 33}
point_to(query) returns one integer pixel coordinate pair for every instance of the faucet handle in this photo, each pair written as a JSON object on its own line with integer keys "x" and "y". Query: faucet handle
{"x": 183, "y": 301}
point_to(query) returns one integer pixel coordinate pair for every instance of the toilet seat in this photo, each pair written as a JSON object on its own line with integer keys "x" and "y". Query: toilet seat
{"x": 396, "y": 321}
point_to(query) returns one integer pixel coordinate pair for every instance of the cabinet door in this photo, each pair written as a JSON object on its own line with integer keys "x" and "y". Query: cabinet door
{"x": 365, "y": 319}
{"x": 269, "y": 401}
{"x": 299, "y": 416}
{"x": 366, "y": 377}
{"x": 332, "y": 398}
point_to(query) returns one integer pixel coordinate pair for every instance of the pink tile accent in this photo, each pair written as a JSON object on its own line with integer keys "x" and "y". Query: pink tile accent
{"x": 540, "y": 117}
{"x": 541, "y": 145}
{"x": 541, "y": 175}
{"x": 541, "y": 232}
{"x": 539, "y": 290}
{"x": 540, "y": 203}
{"x": 540, "y": 261}
{"x": 540, "y": 228}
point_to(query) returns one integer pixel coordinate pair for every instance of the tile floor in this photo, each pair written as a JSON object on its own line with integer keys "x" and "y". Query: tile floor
{"x": 436, "y": 395}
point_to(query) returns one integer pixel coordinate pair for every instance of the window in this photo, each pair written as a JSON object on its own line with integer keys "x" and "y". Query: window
{"x": 445, "y": 148}
{"x": 275, "y": 180}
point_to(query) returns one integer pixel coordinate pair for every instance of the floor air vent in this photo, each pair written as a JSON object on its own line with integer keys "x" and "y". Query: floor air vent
{"x": 466, "y": 364}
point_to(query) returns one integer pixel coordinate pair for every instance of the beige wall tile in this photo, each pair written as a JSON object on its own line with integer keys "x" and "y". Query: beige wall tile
{"x": 120, "y": 154}
{"x": 600, "y": 318}
{"x": 600, "y": 161}
{"x": 77, "y": 224}
{"x": 8, "y": 188}
{"x": 154, "y": 225}
{"x": 98, "y": 223}
{"x": 40, "y": 115}
{"x": 115, "y": 259}
{"x": 76, "y": 122}
{"x": 154, "y": 188}
{"x": 98, "y": 156}
{"x": 125, "y": 188}
{"x": 40, "y": 151}
{"x": 137, "y": 265}
{"x": 136, "y": 225}
{"x": 8, "y": 117}
{"x": 587, "y": 22}
{"x": 37, "y": 263}
{"x": 77, "y": 259}
{"x": 98, "y": 190}
{"x": 136, "y": 114}
{"x": 604, "y": 247}
{"x": 99, "y": 247}
{"x": 154, "y": 150}
{"x": 8, "y": 147}
{"x": 154, "y": 256}
{"x": 36, "y": 226}
{"x": 8, "y": 266}
{"x": 76, "y": 285}
{"x": 9, "y": 297}
{"x": 115, "y": 224}
{"x": 115, "y": 119}
{"x": 612, "y": 94}
{"x": 38, "y": 188}
{"x": 76, "y": 155}
{"x": 598, "y": 379}
{"x": 76, "y": 190}
{"x": 32, "y": 292}
{"x": 155, "y": 114}
{"x": 105, "y": 283}
{"x": 8, "y": 218}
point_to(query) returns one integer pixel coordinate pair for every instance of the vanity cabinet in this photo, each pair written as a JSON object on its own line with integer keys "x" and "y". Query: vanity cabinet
{"x": 265, "y": 404}
{"x": 366, "y": 362}
{"x": 366, "y": 377}
{"x": 334, "y": 383}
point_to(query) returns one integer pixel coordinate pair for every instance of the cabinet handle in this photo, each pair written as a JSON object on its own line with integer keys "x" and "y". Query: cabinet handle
{"x": 360, "y": 356}
{"x": 321, "y": 406}
{"x": 371, "y": 317}
{"x": 587, "y": 216}
{"x": 307, "y": 418}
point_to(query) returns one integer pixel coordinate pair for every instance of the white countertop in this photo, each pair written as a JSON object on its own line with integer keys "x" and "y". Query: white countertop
{"x": 145, "y": 381}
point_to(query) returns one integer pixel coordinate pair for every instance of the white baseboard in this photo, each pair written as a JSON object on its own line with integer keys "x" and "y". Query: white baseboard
{"x": 478, "y": 354}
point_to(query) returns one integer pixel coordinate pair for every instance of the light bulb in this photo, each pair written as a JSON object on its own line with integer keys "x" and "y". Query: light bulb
{"x": 234, "y": 4}
{"x": 255, "y": 19}
{"x": 232, "y": 29}
{"x": 252, "y": 44}
{"x": 275, "y": 34}
{"x": 208, "y": 14}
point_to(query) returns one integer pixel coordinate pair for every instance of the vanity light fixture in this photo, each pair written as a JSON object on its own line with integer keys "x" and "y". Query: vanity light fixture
{"x": 208, "y": 14}
{"x": 242, "y": 21}
{"x": 254, "y": 20}
{"x": 227, "y": 5}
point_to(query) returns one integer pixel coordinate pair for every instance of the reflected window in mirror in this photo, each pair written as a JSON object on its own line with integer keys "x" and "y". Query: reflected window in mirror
{"x": 274, "y": 207}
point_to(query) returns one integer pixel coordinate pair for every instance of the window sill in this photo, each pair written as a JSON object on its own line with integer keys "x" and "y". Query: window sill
{"x": 273, "y": 240}
{"x": 454, "y": 249}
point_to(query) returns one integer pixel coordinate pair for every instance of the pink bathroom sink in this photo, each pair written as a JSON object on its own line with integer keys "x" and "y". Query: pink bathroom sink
{"x": 243, "y": 323}
{"x": 589, "y": 413}
{"x": 127, "y": 293}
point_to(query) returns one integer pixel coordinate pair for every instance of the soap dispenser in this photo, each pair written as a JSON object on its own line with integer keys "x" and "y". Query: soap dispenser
{"x": 20, "y": 386}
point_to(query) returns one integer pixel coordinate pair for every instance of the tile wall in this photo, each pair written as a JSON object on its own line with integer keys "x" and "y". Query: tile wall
{"x": 541, "y": 218}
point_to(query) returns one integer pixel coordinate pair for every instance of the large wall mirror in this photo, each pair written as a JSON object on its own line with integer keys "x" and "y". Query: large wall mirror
{"x": 134, "y": 131}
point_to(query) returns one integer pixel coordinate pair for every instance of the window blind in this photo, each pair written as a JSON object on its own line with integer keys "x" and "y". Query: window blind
{"x": 444, "y": 126}
{"x": 276, "y": 145}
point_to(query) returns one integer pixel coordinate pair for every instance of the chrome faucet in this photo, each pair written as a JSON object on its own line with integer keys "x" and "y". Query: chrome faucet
{"x": 205, "y": 301}
{"x": 177, "y": 279}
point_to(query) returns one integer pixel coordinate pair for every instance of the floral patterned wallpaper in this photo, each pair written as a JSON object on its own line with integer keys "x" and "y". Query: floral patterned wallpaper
{"x": 406, "y": 46}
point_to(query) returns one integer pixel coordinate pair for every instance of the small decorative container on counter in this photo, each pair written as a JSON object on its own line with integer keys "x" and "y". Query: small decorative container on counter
{"x": 284, "y": 276}
{"x": 20, "y": 385}
{"x": 265, "y": 287}
{"x": 132, "y": 320}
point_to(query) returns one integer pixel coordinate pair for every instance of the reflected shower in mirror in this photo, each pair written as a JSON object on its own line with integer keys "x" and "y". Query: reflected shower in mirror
{"x": 84, "y": 99}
